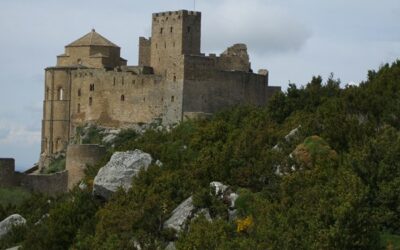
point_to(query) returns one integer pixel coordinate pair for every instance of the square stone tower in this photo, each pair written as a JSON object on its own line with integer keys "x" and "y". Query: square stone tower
{"x": 174, "y": 34}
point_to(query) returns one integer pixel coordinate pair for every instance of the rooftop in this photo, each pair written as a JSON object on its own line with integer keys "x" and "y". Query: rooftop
{"x": 92, "y": 39}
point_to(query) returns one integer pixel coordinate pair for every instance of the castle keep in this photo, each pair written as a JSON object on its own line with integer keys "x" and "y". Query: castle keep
{"x": 173, "y": 81}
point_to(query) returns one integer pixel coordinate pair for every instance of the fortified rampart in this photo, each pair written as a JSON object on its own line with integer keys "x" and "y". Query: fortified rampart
{"x": 7, "y": 169}
{"x": 78, "y": 157}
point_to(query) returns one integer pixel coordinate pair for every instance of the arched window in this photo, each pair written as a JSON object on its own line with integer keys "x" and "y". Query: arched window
{"x": 60, "y": 94}
{"x": 79, "y": 92}
{"x": 122, "y": 98}
{"x": 79, "y": 108}
{"x": 90, "y": 101}
{"x": 174, "y": 78}
{"x": 91, "y": 87}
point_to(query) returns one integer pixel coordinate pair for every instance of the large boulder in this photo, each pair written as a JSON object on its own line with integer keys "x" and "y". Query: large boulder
{"x": 118, "y": 172}
{"x": 8, "y": 223}
{"x": 181, "y": 215}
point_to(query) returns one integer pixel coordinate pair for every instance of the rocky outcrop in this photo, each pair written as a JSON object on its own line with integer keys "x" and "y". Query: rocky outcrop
{"x": 224, "y": 193}
{"x": 8, "y": 223}
{"x": 181, "y": 215}
{"x": 171, "y": 246}
{"x": 118, "y": 172}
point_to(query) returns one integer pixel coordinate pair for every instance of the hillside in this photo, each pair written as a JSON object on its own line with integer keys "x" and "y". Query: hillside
{"x": 333, "y": 183}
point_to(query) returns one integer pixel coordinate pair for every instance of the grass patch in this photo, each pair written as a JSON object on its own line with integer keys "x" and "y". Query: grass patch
{"x": 13, "y": 196}
{"x": 56, "y": 166}
{"x": 390, "y": 241}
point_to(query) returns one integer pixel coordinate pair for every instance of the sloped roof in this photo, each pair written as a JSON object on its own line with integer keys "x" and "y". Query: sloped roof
{"x": 92, "y": 39}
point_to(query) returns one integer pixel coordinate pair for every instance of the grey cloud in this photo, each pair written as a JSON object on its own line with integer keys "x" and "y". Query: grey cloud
{"x": 265, "y": 28}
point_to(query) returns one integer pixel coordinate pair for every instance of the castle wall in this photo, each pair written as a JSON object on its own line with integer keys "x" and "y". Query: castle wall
{"x": 144, "y": 51}
{"x": 78, "y": 157}
{"x": 51, "y": 184}
{"x": 119, "y": 99}
{"x": 209, "y": 90}
{"x": 7, "y": 177}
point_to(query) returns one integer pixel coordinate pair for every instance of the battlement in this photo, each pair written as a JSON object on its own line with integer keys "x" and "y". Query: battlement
{"x": 176, "y": 13}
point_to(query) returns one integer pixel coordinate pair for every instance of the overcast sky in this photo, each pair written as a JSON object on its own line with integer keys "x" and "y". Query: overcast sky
{"x": 293, "y": 39}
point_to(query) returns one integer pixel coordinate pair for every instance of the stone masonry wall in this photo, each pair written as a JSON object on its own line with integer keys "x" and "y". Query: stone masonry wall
{"x": 208, "y": 89}
{"x": 51, "y": 184}
{"x": 117, "y": 99}
{"x": 144, "y": 51}
{"x": 7, "y": 168}
{"x": 78, "y": 157}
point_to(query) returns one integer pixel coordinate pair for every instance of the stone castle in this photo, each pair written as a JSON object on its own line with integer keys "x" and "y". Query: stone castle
{"x": 173, "y": 81}
{"x": 91, "y": 83}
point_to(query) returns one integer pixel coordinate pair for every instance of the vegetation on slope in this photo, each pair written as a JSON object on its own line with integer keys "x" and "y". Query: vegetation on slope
{"x": 334, "y": 185}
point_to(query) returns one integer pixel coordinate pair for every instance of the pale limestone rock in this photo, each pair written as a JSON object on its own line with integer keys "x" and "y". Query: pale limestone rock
{"x": 7, "y": 224}
{"x": 119, "y": 171}
{"x": 180, "y": 215}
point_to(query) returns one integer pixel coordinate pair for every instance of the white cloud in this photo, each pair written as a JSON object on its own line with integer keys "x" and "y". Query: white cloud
{"x": 17, "y": 134}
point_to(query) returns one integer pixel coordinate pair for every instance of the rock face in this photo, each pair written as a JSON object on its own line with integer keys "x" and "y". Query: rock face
{"x": 7, "y": 224}
{"x": 118, "y": 172}
{"x": 219, "y": 188}
{"x": 180, "y": 215}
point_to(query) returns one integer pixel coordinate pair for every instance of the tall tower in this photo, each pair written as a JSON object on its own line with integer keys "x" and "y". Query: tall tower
{"x": 174, "y": 34}
{"x": 90, "y": 51}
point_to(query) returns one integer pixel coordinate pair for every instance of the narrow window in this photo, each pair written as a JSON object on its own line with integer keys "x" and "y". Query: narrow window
{"x": 173, "y": 44}
{"x": 45, "y": 145}
{"x": 188, "y": 29}
{"x": 79, "y": 108}
{"x": 114, "y": 81}
{"x": 161, "y": 30}
{"x": 47, "y": 93}
{"x": 172, "y": 98}
{"x": 144, "y": 99}
{"x": 172, "y": 29}
{"x": 133, "y": 81}
{"x": 122, "y": 98}
{"x": 79, "y": 92}
{"x": 91, "y": 87}
{"x": 90, "y": 101}
{"x": 165, "y": 45}
{"x": 174, "y": 78}
{"x": 156, "y": 45}
{"x": 60, "y": 94}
